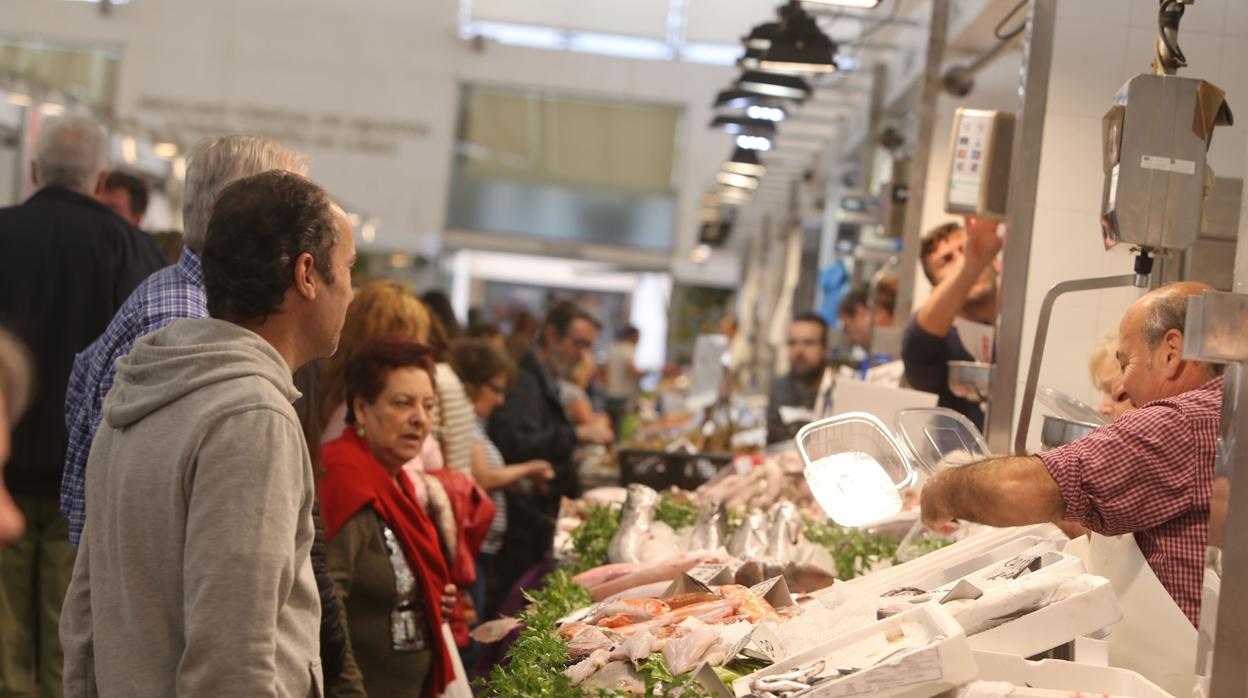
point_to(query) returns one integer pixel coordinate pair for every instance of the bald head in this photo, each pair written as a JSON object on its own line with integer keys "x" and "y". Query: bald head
{"x": 1150, "y": 346}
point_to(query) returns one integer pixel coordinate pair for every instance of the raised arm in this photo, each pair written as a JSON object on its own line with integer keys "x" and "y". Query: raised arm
{"x": 938, "y": 312}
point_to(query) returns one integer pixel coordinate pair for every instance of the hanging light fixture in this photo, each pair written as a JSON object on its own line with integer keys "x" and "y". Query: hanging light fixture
{"x": 745, "y": 125}
{"x": 760, "y": 37}
{"x": 740, "y": 181}
{"x": 753, "y": 142}
{"x": 775, "y": 85}
{"x": 756, "y": 106}
{"x": 856, "y": 4}
{"x": 800, "y": 46}
{"x": 745, "y": 162}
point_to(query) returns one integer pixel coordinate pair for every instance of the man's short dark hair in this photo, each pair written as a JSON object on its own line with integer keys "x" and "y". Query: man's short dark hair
{"x": 628, "y": 333}
{"x": 260, "y": 226}
{"x": 562, "y": 314}
{"x": 817, "y": 319}
{"x": 930, "y": 240}
{"x": 134, "y": 186}
{"x": 850, "y": 302}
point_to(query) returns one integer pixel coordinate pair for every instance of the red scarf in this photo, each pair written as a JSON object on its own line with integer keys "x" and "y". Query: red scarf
{"x": 354, "y": 479}
{"x": 474, "y": 512}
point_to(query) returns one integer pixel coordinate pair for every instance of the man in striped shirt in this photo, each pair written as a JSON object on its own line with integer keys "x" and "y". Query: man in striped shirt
{"x": 1150, "y": 473}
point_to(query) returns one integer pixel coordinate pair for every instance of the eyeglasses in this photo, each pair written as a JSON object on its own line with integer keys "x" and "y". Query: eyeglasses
{"x": 582, "y": 344}
{"x": 499, "y": 390}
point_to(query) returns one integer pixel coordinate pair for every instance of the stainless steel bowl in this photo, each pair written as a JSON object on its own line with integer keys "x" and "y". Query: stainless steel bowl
{"x": 970, "y": 380}
{"x": 1058, "y": 431}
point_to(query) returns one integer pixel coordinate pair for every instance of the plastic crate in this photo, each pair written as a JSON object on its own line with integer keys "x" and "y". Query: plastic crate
{"x": 660, "y": 469}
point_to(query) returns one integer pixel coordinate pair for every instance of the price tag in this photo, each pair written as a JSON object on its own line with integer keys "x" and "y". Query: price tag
{"x": 918, "y": 667}
{"x": 768, "y": 643}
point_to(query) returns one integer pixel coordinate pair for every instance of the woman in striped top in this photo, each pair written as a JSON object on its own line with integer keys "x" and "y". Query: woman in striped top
{"x": 484, "y": 369}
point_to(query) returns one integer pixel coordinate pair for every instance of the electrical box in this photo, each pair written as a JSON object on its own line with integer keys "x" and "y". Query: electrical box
{"x": 1155, "y": 138}
{"x": 979, "y": 163}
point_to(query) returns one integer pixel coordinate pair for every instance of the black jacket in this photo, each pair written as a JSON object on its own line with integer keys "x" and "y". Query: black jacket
{"x": 333, "y": 639}
{"x": 532, "y": 425}
{"x": 67, "y": 263}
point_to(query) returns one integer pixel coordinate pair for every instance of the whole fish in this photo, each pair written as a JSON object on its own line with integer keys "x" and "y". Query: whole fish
{"x": 586, "y": 667}
{"x": 750, "y": 538}
{"x": 683, "y": 656}
{"x": 665, "y": 570}
{"x": 710, "y": 531}
{"x": 784, "y": 532}
{"x": 638, "y": 514}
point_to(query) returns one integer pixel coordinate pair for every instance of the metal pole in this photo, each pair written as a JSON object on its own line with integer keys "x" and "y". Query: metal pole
{"x": 922, "y": 154}
{"x": 1229, "y": 677}
{"x": 1024, "y": 176}
{"x": 1042, "y": 333}
{"x": 875, "y": 115}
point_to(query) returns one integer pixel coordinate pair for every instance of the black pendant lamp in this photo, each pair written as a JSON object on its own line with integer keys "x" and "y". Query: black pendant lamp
{"x": 799, "y": 47}
{"x": 745, "y": 162}
{"x": 744, "y": 125}
{"x": 774, "y": 85}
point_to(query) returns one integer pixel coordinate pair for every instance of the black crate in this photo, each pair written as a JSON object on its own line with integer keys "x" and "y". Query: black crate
{"x": 660, "y": 469}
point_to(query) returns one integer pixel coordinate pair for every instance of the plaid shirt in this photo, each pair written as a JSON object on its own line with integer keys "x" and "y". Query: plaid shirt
{"x": 171, "y": 293}
{"x": 1151, "y": 474}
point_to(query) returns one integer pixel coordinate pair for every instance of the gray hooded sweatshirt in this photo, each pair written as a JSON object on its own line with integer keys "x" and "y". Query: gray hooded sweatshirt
{"x": 193, "y": 576}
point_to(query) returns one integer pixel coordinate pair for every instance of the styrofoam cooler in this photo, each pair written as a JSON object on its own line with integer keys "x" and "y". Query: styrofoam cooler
{"x": 941, "y": 664}
{"x": 1052, "y": 675}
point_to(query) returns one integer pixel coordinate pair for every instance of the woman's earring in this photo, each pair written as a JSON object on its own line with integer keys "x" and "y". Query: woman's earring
{"x": 359, "y": 431}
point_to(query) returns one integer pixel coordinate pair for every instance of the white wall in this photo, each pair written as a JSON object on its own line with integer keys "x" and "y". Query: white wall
{"x": 1098, "y": 47}
{"x": 386, "y": 60}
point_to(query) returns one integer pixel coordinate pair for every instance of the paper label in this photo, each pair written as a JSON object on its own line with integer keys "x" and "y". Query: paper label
{"x": 706, "y": 676}
{"x": 1157, "y": 162}
{"x": 916, "y": 668}
{"x": 774, "y": 591}
{"x": 707, "y": 573}
{"x": 768, "y": 643}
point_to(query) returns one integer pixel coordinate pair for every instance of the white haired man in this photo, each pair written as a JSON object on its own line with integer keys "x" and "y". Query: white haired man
{"x": 66, "y": 264}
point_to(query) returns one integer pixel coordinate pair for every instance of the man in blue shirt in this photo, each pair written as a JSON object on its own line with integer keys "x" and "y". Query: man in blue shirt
{"x": 961, "y": 265}
{"x": 172, "y": 293}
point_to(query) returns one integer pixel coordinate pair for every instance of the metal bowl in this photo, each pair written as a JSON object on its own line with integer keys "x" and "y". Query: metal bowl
{"x": 1058, "y": 431}
{"x": 970, "y": 380}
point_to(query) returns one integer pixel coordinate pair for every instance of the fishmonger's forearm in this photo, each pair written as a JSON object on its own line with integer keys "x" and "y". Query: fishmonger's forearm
{"x": 1008, "y": 491}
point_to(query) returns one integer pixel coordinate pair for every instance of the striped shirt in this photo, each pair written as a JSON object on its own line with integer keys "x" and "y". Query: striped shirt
{"x": 498, "y": 527}
{"x": 456, "y": 420}
{"x": 1150, "y": 473}
{"x": 169, "y": 294}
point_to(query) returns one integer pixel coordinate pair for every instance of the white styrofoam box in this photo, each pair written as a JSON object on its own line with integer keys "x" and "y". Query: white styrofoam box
{"x": 978, "y": 570}
{"x": 1054, "y": 625}
{"x": 942, "y": 661}
{"x": 979, "y": 550}
{"x": 1057, "y": 675}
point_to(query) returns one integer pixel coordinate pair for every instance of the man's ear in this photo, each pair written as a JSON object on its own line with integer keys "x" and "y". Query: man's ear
{"x": 99, "y": 183}
{"x": 34, "y": 174}
{"x": 306, "y": 280}
{"x": 1172, "y": 344}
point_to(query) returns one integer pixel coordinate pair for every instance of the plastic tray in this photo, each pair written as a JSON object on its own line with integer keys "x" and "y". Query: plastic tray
{"x": 1055, "y": 675}
{"x": 866, "y": 486}
{"x": 662, "y": 469}
{"x": 942, "y": 664}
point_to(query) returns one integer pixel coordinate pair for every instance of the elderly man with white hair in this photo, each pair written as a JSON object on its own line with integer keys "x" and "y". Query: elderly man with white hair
{"x": 67, "y": 263}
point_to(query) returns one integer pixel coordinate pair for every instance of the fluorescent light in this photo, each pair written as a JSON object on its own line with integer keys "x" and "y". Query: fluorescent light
{"x": 179, "y": 167}
{"x": 737, "y": 180}
{"x": 744, "y": 125}
{"x": 167, "y": 151}
{"x": 19, "y": 99}
{"x": 856, "y": 4}
{"x": 758, "y": 111}
{"x": 714, "y": 54}
{"x": 754, "y": 142}
{"x": 620, "y": 46}
{"x": 52, "y": 109}
{"x": 700, "y": 254}
{"x": 774, "y": 85}
{"x": 368, "y": 231}
{"x": 129, "y": 149}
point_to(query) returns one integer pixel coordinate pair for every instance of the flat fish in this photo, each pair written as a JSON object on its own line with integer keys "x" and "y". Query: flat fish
{"x": 710, "y": 531}
{"x": 784, "y": 531}
{"x": 638, "y": 514}
{"x": 750, "y": 538}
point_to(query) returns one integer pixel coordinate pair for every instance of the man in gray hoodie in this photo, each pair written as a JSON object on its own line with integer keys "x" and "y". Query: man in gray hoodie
{"x": 193, "y": 576}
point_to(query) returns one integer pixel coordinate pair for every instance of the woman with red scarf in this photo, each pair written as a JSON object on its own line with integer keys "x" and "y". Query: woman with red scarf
{"x": 384, "y": 552}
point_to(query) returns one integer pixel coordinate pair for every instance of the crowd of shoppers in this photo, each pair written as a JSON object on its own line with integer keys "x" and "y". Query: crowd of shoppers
{"x": 177, "y": 433}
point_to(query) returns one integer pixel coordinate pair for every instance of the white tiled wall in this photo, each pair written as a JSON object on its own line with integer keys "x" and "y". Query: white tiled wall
{"x": 1098, "y": 46}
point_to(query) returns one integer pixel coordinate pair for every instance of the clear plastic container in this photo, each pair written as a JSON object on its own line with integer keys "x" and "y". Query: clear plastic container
{"x": 938, "y": 437}
{"x": 855, "y": 468}
{"x": 1069, "y": 408}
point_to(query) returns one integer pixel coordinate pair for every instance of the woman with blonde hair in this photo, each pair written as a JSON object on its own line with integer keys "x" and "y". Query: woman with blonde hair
{"x": 380, "y": 309}
{"x": 1106, "y": 373}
